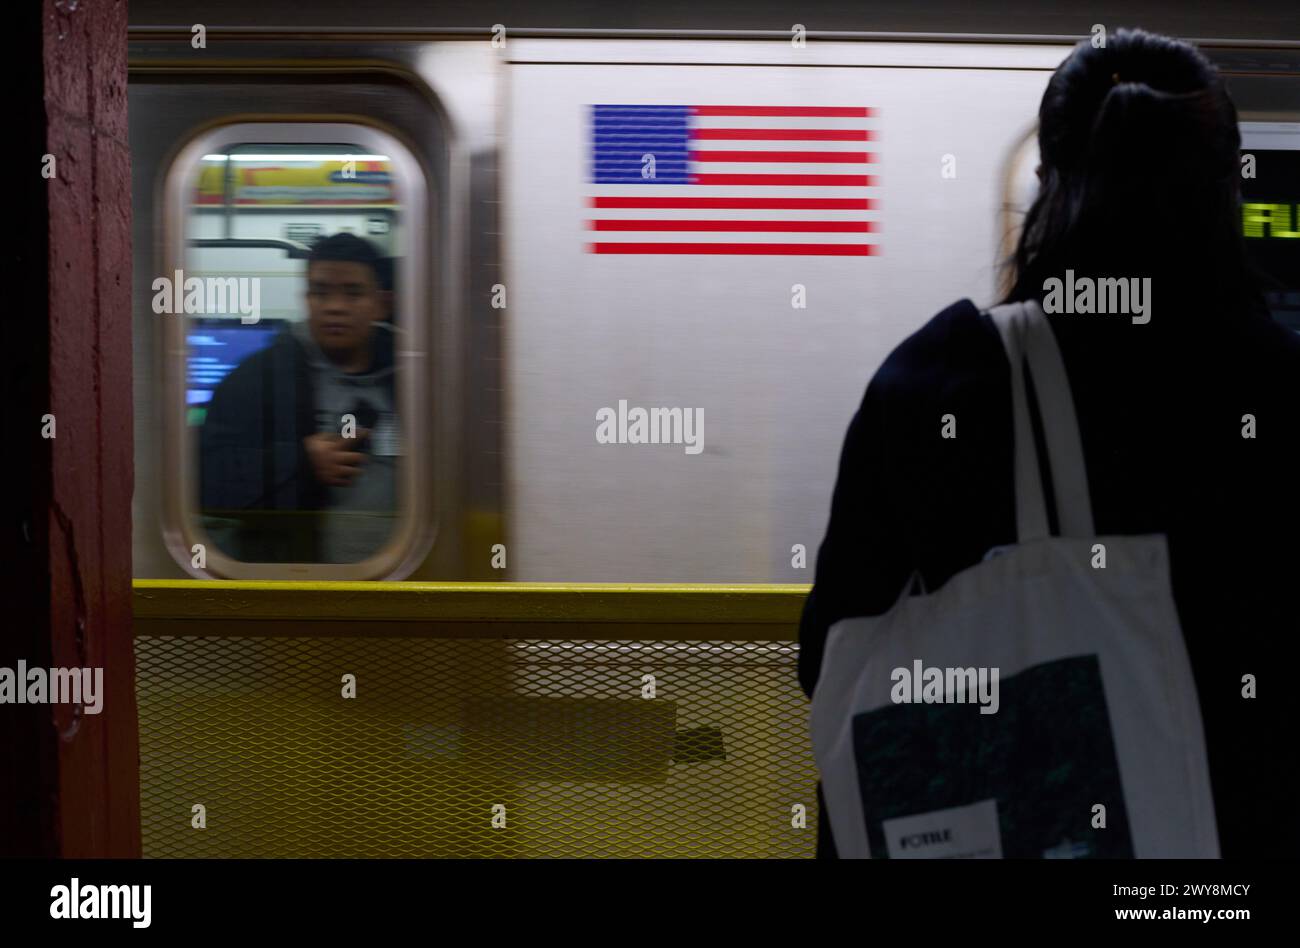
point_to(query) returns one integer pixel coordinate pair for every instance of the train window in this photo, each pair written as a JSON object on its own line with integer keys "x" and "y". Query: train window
{"x": 1270, "y": 213}
{"x": 292, "y": 299}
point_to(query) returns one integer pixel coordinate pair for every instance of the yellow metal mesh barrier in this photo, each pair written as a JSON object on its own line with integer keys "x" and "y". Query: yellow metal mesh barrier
{"x": 555, "y": 737}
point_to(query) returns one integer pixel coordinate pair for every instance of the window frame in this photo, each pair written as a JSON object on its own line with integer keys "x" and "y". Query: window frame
{"x": 415, "y": 523}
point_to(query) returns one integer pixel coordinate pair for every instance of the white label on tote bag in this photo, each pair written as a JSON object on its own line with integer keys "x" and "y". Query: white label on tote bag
{"x": 962, "y": 832}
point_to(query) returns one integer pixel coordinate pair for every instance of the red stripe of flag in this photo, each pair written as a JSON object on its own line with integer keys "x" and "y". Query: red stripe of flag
{"x": 830, "y": 157}
{"x": 827, "y": 111}
{"x": 734, "y": 203}
{"x": 791, "y": 227}
{"x": 808, "y": 180}
{"x": 782, "y": 134}
{"x": 805, "y": 250}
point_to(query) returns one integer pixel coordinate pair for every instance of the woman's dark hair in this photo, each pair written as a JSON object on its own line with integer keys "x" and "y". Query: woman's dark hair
{"x": 1140, "y": 176}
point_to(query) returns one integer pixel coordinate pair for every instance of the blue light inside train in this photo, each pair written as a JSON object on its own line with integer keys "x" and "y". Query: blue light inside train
{"x": 217, "y": 346}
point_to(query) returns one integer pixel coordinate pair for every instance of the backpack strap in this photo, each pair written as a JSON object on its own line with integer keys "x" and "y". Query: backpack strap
{"x": 1028, "y": 337}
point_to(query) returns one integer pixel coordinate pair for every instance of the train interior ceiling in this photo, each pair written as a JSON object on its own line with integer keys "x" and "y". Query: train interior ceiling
{"x": 529, "y": 295}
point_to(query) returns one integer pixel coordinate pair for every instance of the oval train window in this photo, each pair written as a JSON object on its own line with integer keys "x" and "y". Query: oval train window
{"x": 292, "y": 300}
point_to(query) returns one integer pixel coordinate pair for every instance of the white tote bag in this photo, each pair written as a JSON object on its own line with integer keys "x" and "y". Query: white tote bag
{"x": 1039, "y": 704}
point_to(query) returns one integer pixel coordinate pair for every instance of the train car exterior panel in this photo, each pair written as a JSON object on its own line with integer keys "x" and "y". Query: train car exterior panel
{"x": 773, "y": 351}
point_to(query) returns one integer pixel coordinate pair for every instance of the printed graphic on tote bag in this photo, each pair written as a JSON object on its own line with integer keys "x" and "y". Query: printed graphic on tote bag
{"x": 1030, "y": 773}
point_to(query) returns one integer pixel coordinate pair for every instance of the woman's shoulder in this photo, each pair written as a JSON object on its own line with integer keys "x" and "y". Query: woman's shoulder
{"x": 953, "y": 345}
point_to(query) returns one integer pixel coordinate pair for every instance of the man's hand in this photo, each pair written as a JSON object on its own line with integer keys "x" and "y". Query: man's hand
{"x": 334, "y": 459}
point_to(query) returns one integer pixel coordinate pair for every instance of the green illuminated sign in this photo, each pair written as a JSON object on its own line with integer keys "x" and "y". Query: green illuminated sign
{"x": 1270, "y": 220}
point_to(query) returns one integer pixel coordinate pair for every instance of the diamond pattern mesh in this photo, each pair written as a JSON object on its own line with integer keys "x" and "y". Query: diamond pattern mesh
{"x": 552, "y": 740}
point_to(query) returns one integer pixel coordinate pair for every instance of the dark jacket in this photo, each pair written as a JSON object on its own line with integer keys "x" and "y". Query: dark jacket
{"x": 1160, "y": 412}
{"x": 257, "y": 488}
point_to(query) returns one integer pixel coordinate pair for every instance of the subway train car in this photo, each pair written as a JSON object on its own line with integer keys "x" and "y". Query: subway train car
{"x": 811, "y": 204}
{"x": 639, "y": 281}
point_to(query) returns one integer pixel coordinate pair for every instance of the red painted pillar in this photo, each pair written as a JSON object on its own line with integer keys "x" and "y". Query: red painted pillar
{"x": 69, "y": 779}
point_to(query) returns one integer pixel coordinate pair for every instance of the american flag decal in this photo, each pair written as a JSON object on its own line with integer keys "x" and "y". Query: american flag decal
{"x": 732, "y": 179}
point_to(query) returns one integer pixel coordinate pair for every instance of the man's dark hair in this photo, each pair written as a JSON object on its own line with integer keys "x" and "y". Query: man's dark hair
{"x": 347, "y": 248}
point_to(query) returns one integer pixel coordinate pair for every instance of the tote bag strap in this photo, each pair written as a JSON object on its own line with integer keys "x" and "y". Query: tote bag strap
{"x": 1027, "y": 336}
